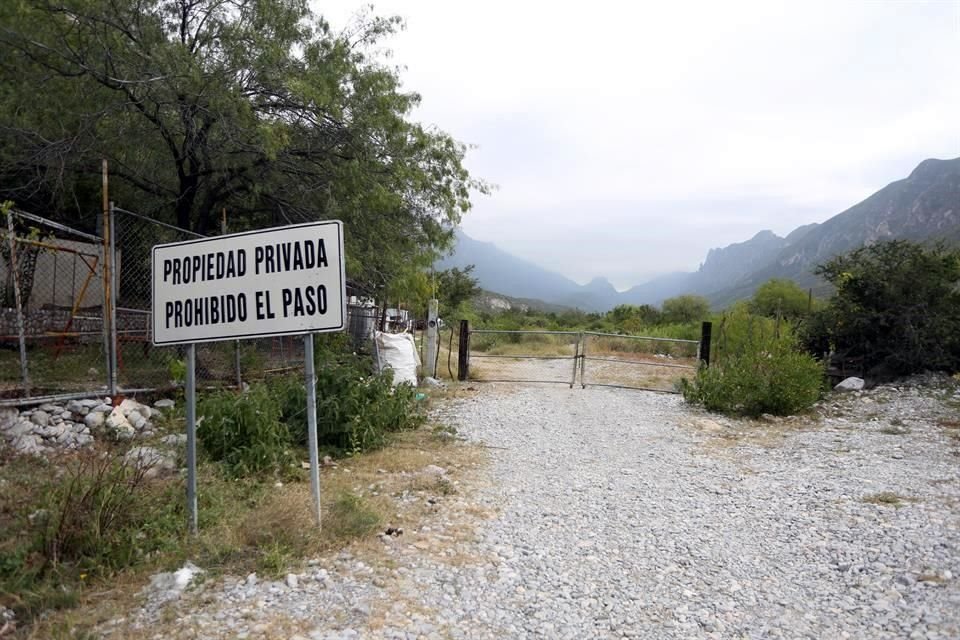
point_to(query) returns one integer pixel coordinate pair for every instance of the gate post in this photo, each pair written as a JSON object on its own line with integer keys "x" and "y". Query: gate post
{"x": 576, "y": 359}
{"x": 706, "y": 329}
{"x": 463, "y": 352}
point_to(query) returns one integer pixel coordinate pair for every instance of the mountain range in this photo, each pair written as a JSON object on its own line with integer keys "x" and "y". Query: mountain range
{"x": 923, "y": 206}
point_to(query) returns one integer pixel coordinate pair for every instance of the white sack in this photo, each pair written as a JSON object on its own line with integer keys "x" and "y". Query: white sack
{"x": 398, "y": 352}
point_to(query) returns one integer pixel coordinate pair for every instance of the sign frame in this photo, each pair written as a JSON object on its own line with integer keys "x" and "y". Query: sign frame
{"x": 341, "y": 273}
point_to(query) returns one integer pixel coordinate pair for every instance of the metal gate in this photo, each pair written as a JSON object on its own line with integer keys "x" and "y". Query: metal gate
{"x": 599, "y": 359}
{"x": 524, "y": 356}
{"x": 636, "y": 362}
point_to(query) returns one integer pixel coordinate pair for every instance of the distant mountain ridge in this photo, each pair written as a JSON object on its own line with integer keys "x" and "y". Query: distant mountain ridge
{"x": 923, "y": 206}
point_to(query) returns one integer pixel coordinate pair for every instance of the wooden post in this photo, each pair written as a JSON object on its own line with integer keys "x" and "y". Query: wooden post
{"x": 706, "y": 329}
{"x": 463, "y": 353}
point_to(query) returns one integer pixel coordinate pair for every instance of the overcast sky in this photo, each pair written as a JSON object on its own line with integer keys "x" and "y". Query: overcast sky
{"x": 627, "y": 138}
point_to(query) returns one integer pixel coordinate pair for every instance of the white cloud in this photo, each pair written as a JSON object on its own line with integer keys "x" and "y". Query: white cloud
{"x": 721, "y": 118}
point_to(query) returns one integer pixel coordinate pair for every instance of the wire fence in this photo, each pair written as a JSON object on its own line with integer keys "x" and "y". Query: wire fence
{"x": 75, "y": 315}
{"x": 51, "y": 308}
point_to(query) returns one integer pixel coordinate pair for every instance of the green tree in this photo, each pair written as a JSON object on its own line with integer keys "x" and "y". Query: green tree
{"x": 896, "y": 305}
{"x": 255, "y": 106}
{"x": 780, "y": 298}
{"x": 631, "y": 318}
{"x": 685, "y": 308}
{"x": 455, "y": 287}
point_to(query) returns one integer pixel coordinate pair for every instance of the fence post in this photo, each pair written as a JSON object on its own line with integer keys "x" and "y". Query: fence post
{"x": 706, "y": 329}
{"x": 21, "y": 331}
{"x": 106, "y": 234}
{"x": 576, "y": 359}
{"x": 432, "y": 338}
{"x": 583, "y": 363}
{"x": 114, "y": 290}
{"x": 463, "y": 352}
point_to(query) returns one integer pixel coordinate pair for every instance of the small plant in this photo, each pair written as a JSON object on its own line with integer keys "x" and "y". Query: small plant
{"x": 351, "y": 517}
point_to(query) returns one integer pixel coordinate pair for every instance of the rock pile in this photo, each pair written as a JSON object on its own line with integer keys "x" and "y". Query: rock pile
{"x": 74, "y": 424}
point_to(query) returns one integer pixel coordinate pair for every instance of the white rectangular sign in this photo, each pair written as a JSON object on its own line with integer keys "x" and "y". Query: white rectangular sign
{"x": 280, "y": 281}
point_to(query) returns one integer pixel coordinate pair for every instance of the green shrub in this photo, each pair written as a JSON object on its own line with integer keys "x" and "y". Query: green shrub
{"x": 896, "y": 308}
{"x": 778, "y": 380}
{"x": 356, "y": 410}
{"x": 244, "y": 430}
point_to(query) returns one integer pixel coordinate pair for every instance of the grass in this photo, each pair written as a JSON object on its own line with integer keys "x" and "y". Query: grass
{"x": 245, "y": 525}
{"x": 886, "y": 498}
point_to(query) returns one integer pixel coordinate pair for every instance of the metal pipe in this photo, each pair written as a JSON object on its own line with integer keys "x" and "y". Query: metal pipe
{"x": 645, "y": 363}
{"x": 58, "y": 397}
{"x": 620, "y": 335}
{"x": 21, "y": 331}
{"x": 525, "y": 357}
{"x": 311, "y": 384}
{"x": 191, "y": 398}
{"x": 113, "y": 301}
{"x": 56, "y": 225}
{"x": 105, "y": 284}
{"x": 555, "y": 333}
{"x": 162, "y": 224}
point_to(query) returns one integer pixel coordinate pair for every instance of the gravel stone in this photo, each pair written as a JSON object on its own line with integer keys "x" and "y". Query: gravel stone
{"x": 627, "y": 514}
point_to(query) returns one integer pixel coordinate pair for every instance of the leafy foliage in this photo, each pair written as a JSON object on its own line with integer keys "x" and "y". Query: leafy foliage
{"x": 253, "y": 106}
{"x": 685, "y": 308}
{"x": 258, "y": 430}
{"x": 777, "y": 379}
{"x": 244, "y": 431}
{"x": 896, "y": 306}
{"x": 780, "y": 298}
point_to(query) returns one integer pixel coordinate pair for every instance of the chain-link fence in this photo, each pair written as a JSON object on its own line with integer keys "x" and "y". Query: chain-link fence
{"x": 52, "y": 337}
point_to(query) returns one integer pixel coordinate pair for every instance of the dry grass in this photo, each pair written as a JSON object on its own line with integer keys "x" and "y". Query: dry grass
{"x": 276, "y": 533}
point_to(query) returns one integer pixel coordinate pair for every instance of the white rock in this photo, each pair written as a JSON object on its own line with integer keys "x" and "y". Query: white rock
{"x": 850, "y": 384}
{"x": 119, "y": 426}
{"x": 8, "y": 417}
{"x": 433, "y": 470}
{"x": 40, "y": 417}
{"x": 75, "y": 406}
{"x": 169, "y": 585}
{"x": 102, "y": 408}
{"x": 149, "y": 460}
{"x": 21, "y": 428}
{"x": 128, "y": 406}
{"x": 292, "y": 581}
{"x": 174, "y": 440}
{"x": 164, "y": 403}
{"x": 89, "y": 403}
{"x": 28, "y": 444}
{"x": 94, "y": 419}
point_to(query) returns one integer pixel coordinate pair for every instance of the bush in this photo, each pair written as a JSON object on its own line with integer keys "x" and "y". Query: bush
{"x": 896, "y": 307}
{"x": 355, "y": 409}
{"x": 244, "y": 431}
{"x": 778, "y": 380}
{"x": 256, "y": 431}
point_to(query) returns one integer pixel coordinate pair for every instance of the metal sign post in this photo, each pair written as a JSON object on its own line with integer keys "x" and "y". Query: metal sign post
{"x": 191, "y": 392}
{"x": 271, "y": 282}
{"x": 311, "y": 383}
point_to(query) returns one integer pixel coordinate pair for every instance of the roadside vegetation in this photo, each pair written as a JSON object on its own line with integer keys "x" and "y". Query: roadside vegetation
{"x": 76, "y": 523}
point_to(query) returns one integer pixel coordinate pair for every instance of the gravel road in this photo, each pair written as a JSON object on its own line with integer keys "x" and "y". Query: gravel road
{"x": 610, "y": 513}
{"x": 625, "y": 514}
